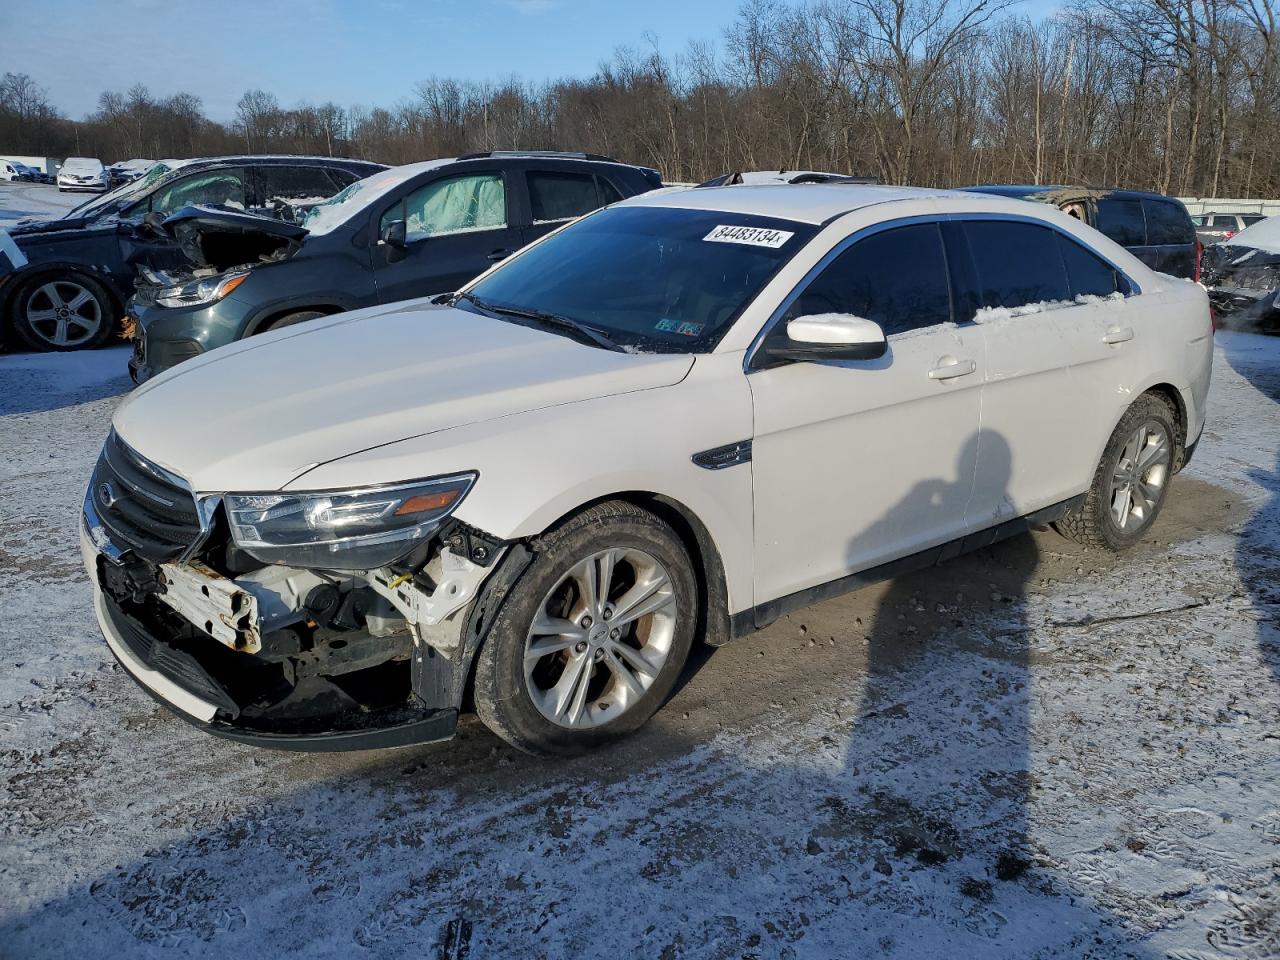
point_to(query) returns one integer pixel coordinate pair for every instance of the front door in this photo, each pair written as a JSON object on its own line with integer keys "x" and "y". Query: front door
{"x": 456, "y": 228}
{"x": 856, "y": 463}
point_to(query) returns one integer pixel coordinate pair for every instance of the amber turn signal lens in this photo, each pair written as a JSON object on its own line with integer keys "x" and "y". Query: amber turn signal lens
{"x": 231, "y": 284}
{"x": 427, "y": 501}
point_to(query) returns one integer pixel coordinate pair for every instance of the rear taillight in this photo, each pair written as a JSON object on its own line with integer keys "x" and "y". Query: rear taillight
{"x": 1195, "y": 274}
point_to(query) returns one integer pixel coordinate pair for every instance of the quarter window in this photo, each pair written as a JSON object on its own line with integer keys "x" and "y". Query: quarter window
{"x": 453, "y": 205}
{"x": 898, "y": 278}
{"x": 1016, "y": 263}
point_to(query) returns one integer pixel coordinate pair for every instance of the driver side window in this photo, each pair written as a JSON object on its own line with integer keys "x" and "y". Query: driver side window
{"x": 217, "y": 187}
{"x": 453, "y": 205}
{"x": 897, "y": 278}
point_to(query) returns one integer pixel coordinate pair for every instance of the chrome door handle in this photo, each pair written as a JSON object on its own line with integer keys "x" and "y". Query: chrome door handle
{"x": 949, "y": 368}
{"x": 1118, "y": 335}
{"x": 497, "y": 255}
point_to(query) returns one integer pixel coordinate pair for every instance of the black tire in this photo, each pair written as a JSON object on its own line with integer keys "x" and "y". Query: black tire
{"x": 1093, "y": 523}
{"x": 503, "y": 698}
{"x": 39, "y": 335}
{"x": 289, "y": 319}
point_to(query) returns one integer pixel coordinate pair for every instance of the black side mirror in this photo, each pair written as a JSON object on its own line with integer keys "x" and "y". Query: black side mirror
{"x": 393, "y": 239}
{"x": 394, "y": 235}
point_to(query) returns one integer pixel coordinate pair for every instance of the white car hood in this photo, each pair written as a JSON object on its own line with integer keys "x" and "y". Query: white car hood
{"x": 257, "y": 414}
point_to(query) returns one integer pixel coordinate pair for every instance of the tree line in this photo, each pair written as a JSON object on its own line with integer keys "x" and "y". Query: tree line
{"x": 1179, "y": 96}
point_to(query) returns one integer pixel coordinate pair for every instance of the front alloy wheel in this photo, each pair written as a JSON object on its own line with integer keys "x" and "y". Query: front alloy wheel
{"x": 592, "y": 639}
{"x": 63, "y": 313}
{"x": 600, "y": 638}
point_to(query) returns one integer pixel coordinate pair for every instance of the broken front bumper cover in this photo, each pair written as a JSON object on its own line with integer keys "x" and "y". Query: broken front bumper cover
{"x": 187, "y": 687}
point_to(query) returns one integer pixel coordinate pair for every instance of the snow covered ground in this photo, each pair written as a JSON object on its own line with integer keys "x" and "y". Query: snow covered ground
{"x": 19, "y": 200}
{"x": 1033, "y": 751}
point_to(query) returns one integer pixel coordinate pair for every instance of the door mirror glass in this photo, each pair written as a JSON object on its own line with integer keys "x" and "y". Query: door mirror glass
{"x": 826, "y": 336}
{"x": 393, "y": 234}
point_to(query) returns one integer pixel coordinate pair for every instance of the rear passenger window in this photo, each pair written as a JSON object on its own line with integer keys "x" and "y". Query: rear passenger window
{"x": 1087, "y": 273}
{"x": 897, "y": 278}
{"x": 1017, "y": 263}
{"x": 295, "y": 183}
{"x": 1224, "y": 222}
{"x": 1167, "y": 223}
{"x": 1122, "y": 221}
{"x": 561, "y": 196}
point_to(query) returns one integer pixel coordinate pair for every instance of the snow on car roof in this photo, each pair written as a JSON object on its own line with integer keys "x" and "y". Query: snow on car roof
{"x": 807, "y": 203}
{"x": 1263, "y": 235}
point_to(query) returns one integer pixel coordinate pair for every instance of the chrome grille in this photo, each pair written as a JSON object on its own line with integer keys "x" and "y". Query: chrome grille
{"x": 141, "y": 506}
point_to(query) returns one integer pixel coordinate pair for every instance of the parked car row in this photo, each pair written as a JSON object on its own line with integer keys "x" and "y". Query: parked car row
{"x": 15, "y": 171}
{"x": 341, "y": 533}
{"x": 1242, "y": 273}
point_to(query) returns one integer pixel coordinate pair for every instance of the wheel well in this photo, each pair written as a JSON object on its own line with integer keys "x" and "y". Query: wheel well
{"x": 266, "y": 322}
{"x": 1170, "y": 395}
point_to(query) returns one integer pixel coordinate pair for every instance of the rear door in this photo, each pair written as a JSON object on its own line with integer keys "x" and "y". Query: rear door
{"x": 1047, "y": 364}
{"x": 1171, "y": 234}
{"x": 456, "y": 227}
{"x": 558, "y": 196}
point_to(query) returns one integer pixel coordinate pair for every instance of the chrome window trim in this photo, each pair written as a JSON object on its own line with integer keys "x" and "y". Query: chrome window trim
{"x": 938, "y": 218}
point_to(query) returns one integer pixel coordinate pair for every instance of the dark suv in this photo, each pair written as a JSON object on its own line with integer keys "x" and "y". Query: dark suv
{"x": 80, "y": 269}
{"x": 1154, "y": 228}
{"x": 411, "y": 231}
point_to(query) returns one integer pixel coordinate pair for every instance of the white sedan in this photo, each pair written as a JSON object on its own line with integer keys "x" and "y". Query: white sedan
{"x": 668, "y": 422}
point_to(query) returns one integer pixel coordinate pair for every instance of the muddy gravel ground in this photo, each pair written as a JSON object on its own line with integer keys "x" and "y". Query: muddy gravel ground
{"x": 1033, "y": 751}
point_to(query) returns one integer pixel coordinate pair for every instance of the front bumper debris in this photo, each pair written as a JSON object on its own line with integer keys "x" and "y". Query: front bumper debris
{"x": 345, "y": 694}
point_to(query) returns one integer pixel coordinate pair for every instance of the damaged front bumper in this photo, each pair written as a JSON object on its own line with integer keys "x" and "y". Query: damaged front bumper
{"x": 243, "y": 657}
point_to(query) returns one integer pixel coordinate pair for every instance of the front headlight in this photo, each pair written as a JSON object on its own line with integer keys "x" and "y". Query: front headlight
{"x": 342, "y": 529}
{"x": 200, "y": 292}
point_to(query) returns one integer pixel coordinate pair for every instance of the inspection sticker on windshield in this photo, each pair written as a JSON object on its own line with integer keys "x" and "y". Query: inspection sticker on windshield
{"x": 751, "y": 236}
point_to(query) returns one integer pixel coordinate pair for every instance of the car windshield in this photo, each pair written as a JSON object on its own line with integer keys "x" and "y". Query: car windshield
{"x": 657, "y": 279}
{"x": 111, "y": 201}
{"x": 346, "y": 203}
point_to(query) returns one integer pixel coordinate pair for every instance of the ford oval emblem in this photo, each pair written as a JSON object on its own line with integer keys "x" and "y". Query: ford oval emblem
{"x": 107, "y": 495}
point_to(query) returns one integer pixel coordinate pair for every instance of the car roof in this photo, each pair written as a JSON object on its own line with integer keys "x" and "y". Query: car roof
{"x": 815, "y": 203}
{"x": 1031, "y": 189}
{"x": 274, "y": 160}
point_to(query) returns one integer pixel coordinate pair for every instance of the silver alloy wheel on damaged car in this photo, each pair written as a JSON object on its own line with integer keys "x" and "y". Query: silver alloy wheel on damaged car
{"x": 64, "y": 312}
{"x": 1141, "y": 472}
{"x": 600, "y": 638}
{"x": 67, "y": 312}
{"x": 591, "y": 638}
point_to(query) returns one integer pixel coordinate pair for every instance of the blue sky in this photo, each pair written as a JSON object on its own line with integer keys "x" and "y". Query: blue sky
{"x": 370, "y": 52}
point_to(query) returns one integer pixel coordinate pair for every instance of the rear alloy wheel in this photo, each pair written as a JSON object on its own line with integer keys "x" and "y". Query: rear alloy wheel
{"x": 1132, "y": 480}
{"x": 63, "y": 313}
{"x": 594, "y": 640}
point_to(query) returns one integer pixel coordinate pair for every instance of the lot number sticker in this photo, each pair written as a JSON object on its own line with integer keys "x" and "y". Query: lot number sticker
{"x": 751, "y": 236}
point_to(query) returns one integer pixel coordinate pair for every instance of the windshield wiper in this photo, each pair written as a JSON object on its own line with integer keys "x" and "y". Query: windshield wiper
{"x": 547, "y": 319}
